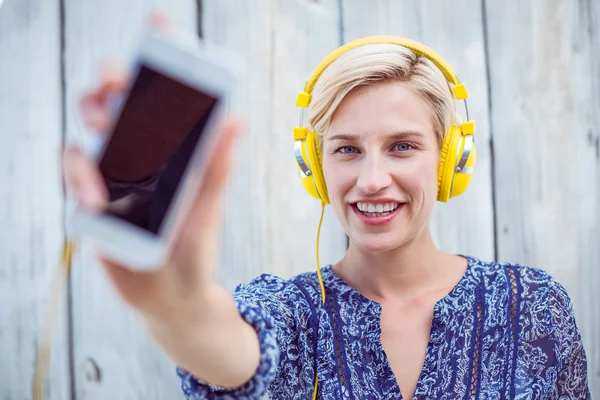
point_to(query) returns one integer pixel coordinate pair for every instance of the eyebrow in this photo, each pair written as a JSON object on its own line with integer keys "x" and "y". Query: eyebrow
{"x": 395, "y": 135}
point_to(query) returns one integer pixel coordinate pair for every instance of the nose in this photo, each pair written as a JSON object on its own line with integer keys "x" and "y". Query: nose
{"x": 374, "y": 175}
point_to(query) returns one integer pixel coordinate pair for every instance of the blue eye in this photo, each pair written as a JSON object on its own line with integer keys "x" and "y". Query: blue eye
{"x": 402, "y": 147}
{"x": 346, "y": 150}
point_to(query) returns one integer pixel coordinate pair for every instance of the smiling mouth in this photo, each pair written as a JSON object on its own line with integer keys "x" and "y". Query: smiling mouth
{"x": 377, "y": 214}
{"x": 377, "y": 210}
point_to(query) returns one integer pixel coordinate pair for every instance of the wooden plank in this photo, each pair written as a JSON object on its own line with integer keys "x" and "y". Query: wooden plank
{"x": 30, "y": 193}
{"x": 545, "y": 90}
{"x": 114, "y": 357}
{"x": 465, "y": 224}
{"x": 586, "y": 45}
{"x": 589, "y": 216}
{"x": 270, "y": 222}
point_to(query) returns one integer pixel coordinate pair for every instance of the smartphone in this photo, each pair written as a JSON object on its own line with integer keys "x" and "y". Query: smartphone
{"x": 155, "y": 154}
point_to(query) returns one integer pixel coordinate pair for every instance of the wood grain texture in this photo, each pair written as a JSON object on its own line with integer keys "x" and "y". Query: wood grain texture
{"x": 114, "y": 357}
{"x": 270, "y": 222}
{"x": 30, "y": 193}
{"x": 465, "y": 224}
{"x": 537, "y": 180}
{"x": 545, "y": 90}
{"x": 589, "y": 188}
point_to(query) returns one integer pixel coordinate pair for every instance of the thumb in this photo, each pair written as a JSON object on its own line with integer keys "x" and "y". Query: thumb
{"x": 219, "y": 167}
{"x": 205, "y": 213}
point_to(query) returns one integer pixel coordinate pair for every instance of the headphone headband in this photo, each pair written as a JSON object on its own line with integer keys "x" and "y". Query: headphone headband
{"x": 460, "y": 90}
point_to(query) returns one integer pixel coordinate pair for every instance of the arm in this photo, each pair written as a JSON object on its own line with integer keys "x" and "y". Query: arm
{"x": 279, "y": 313}
{"x": 215, "y": 344}
{"x": 194, "y": 320}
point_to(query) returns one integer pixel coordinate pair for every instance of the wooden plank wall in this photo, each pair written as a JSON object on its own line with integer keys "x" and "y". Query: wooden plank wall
{"x": 535, "y": 197}
{"x": 545, "y": 89}
{"x": 31, "y": 211}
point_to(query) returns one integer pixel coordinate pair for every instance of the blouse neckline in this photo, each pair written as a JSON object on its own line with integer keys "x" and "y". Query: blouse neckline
{"x": 451, "y": 302}
{"x": 456, "y": 300}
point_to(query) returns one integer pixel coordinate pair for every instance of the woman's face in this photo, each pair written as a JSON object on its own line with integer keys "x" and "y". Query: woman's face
{"x": 380, "y": 162}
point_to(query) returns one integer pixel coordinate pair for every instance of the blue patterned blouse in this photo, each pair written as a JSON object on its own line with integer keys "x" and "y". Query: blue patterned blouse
{"x": 505, "y": 331}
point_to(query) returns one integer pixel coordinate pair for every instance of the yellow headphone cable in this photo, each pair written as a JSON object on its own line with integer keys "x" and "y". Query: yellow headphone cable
{"x": 322, "y": 287}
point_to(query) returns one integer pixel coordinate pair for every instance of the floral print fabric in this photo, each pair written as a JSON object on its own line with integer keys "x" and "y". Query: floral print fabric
{"x": 505, "y": 331}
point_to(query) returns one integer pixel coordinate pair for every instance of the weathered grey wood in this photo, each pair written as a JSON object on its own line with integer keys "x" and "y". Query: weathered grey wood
{"x": 545, "y": 96}
{"x": 113, "y": 355}
{"x": 30, "y": 193}
{"x": 454, "y": 29}
{"x": 270, "y": 222}
{"x": 545, "y": 90}
{"x": 587, "y": 97}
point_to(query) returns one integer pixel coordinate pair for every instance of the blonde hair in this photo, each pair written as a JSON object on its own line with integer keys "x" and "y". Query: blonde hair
{"x": 375, "y": 63}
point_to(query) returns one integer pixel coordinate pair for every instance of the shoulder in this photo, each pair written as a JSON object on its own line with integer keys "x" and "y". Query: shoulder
{"x": 539, "y": 299}
{"x": 299, "y": 290}
{"x": 528, "y": 281}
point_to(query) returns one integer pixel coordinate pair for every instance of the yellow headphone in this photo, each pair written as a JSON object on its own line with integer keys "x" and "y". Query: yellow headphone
{"x": 457, "y": 156}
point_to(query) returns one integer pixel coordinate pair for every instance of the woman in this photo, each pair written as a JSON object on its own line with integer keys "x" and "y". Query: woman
{"x": 400, "y": 319}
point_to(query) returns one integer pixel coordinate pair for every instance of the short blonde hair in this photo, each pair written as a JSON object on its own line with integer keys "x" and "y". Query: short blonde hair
{"x": 375, "y": 63}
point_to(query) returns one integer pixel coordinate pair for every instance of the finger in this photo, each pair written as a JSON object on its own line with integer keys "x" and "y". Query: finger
{"x": 114, "y": 77}
{"x": 83, "y": 177}
{"x": 95, "y": 115}
{"x": 97, "y": 107}
{"x": 219, "y": 166}
{"x": 202, "y": 223}
{"x": 159, "y": 20}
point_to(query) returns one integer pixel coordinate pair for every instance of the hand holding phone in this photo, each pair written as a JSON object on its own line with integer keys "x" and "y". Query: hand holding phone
{"x": 143, "y": 156}
{"x": 179, "y": 299}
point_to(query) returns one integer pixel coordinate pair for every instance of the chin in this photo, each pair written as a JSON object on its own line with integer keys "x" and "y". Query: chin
{"x": 381, "y": 243}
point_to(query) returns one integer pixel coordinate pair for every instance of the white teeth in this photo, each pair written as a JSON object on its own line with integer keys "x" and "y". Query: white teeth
{"x": 381, "y": 207}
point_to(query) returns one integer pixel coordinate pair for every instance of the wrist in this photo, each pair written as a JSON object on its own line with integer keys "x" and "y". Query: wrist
{"x": 187, "y": 316}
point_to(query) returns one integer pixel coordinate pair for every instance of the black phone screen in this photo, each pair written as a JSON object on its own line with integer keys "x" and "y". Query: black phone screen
{"x": 151, "y": 145}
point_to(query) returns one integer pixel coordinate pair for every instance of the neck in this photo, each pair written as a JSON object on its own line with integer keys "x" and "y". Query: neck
{"x": 397, "y": 275}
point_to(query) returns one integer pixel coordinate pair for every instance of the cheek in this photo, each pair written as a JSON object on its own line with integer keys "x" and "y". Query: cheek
{"x": 339, "y": 180}
{"x": 335, "y": 177}
{"x": 431, "y": 168}
{"x": 421, "y": 179}
{"x": 336, "y": 187}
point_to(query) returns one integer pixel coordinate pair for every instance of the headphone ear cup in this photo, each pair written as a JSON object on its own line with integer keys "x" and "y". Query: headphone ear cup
{"x": 448, "y": 159}
{"x": 307, "y": 182}
{"x": 462, "y": 180}
{"x": 450, "y": 183}
{"x": 316, "y": 165}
